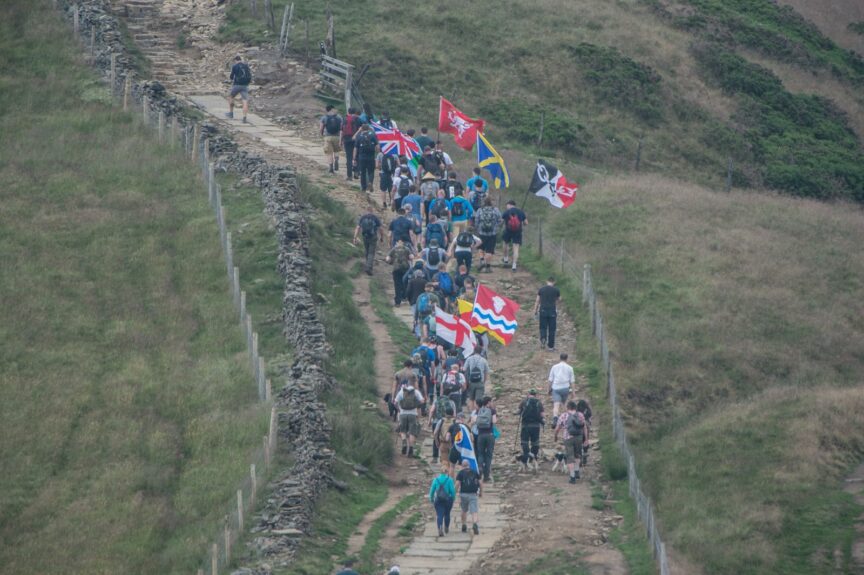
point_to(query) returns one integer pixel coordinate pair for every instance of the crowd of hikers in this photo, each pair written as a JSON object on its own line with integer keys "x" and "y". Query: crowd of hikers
{"x": 443, "y": 231}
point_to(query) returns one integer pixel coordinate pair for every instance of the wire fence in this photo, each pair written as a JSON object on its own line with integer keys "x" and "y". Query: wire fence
{"x": 555, "y": 250}
{"x": 186, "y": 137}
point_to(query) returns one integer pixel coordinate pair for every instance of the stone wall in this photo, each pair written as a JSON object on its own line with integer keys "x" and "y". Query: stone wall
{"x": 303, "y": 429}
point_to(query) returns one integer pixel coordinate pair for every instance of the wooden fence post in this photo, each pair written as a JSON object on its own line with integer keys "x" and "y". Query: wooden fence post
{"x": 113, "y": 73}
{"x": 254, "y": 477}
{"x": 127, "y": 90}
{"x": 272, "y": 429}
{"x": 561, "y": 256}
{"x": 239, "y": 511}
{"x": 266, "y": 443}
{"x": 161, "y": 125}
{"x": 196, "y": 136}
{"x": 306, "y": 44}
{"x": 174, "y": 130}
{"x": 92, "y": 44}
{"x": 214, "y": 559}
{"x": 639, "y": 154}
{"x": 348, "y": 83}
{"x": 540, "y": 137}
{"x": 539, "y": 234}
{"x": 75, "y": 18}
{"x": 227, "y": 542}
{"x": 268, "y": 389}
{"x": 729, "y": 169}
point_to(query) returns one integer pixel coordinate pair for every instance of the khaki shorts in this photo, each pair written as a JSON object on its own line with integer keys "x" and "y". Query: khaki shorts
{"x": 475, "y": 392}
{"x": 408, "y": 424}
{"x": 573, "y": 449}
{"x": 332, "y": 144}
{"x": 468, "y": 502}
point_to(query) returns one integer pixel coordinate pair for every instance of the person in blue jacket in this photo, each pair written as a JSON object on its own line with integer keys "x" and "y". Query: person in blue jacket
{"x": 442, "y": 493}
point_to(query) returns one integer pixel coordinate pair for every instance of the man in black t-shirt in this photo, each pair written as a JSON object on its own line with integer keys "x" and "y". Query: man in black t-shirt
{"x": 546, "y": 308}
{"x": 241, "y": 77}
{"x": 514, "y": 220}
{"x": 469, "y": 488}
{"x": 402, "y": 228}
{"x": 369, "y": 226}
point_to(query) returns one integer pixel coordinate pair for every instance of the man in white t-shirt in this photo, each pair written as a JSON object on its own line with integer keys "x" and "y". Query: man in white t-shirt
{"x": 561, "y": 377}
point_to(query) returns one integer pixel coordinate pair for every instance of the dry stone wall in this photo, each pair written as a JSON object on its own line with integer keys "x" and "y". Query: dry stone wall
{"x": 303, "y": 429}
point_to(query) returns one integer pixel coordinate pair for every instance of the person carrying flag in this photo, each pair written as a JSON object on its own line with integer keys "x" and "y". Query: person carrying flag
{"x": 514, "y": 221}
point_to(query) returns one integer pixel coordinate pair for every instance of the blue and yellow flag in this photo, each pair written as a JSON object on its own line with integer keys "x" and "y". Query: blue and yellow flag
{"x": 488, "y": 158}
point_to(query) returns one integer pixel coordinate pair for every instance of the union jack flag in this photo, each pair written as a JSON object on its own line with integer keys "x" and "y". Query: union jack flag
{"x": 394, "y": 142}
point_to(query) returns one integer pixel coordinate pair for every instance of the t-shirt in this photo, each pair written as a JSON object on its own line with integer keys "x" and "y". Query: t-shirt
{"x": 470, "y": 184}
{"x": 442, "y": 256}
{"x": 563, "y": 420}
{"x": 238, "y": 74}
{"x": 347, "y": 572}
{"x": 350, "y": 126}
{"x": 548, "y": 297}
{"x": 376, "y": 224}
{"x": 467, "y": 209}
{"x": 429, "y": 190}
{"x": 416, "y": 203}
{"x": 401, "y": 228}
{"x": 475, "y": 361}
{"x": 404, "y": 375}
{"x": 424, "y": 141}
{"x": 337, "y": 125}
{"x": 453, "y": 187}
{"x": 510, "y": 211}
{"x": 561, "y": 376}
{"x": 465, "y": 475}
{"x": 415, "y": 287}
{"x": 368, "y": 150}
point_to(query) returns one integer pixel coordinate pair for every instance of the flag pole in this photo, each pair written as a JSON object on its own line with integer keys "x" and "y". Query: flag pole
{"x": 525, "y": 199}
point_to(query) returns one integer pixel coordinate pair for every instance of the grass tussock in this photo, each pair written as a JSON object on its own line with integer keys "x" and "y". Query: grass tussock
{"x": 127, "y": 413}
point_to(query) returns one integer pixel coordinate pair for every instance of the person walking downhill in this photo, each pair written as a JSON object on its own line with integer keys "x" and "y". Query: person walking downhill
{"x": 241, "y": 77}
{"x": 409, "y": 400}
{"x": 470, "y": 489}
{"x": 369, "y": 226}
{"x": 561, "y": 377}
{"x": 530, "y": 422}
{"x": 350, "y": 125}
{"x": 574, "y": 433}
{"x": 442, "y": 493}
{"x": 366, "y": 144}
{"x": 400, "y": 256}
{"x": 331, "y": 129}
{"x": 485, "y": 422}
{"x": 514, "y": 220}
{"x": 546, "y": 310}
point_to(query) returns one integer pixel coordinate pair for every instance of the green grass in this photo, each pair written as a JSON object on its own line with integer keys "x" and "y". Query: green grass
{"x": 127, "y": 414}
{"x": 554, "y": 563}
{"x": 857, "y": 27}
{"x": 400, "y": 334}
{"x": 372, "y": 543}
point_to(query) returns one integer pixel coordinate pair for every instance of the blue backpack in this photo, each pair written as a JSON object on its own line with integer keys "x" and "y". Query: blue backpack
{"x": 445, "y": 284}
{"x": 435, "y": 232}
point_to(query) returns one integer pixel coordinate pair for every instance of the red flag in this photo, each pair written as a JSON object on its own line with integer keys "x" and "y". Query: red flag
{"x": 496, "y": 313}
{"x": 463, "y": 128}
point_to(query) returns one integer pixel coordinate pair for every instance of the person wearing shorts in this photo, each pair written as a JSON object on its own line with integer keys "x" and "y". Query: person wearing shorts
{"x": 331, "y": 130}
{"x": 240, "y": 78}
{"x": 469, "y": 487}
{"x": 514, "y": 220}
{"x": 409, "y": 428}
{"x": 561, "y": 377}
{"x": 453, "y": 456}
{"x": 573, "y": 444}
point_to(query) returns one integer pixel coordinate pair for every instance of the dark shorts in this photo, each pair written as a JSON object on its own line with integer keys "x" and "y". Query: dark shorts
{"x": 488, "y": 245}
{"x": 408, "y": 424}
{"x": 454, "y": 456}
{"x": 509, "y": 237}
{"x": 475, "y": 392}
{"x": 242, "y": 91}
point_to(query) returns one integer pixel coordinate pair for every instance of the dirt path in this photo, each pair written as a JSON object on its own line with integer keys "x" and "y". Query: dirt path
{"x": 523, "y": 516}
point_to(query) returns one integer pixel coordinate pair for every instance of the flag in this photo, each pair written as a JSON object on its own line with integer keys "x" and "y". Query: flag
{"x": 463, "y": 128}
{"x": 488, "y": 158}
{"x": 466, "y": 309}
{"x": 551, "y": 184}
{"x": 394, "y": 142}
{"x": 454, "y": 330}
{"x": 462, "y": 442}
{"x": 496, "y": 313}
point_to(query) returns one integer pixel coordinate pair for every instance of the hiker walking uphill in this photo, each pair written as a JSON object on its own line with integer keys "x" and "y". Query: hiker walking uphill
{"x": 402, "y": 228}
{"x": 241, "y": 77}
{"x": 530, "y": 422}
{"x": 546, "y": 310}
{"x": 514, "y": 221}
{"x": 461, "y": 212}
{"x": 561, "y": 377}
{"x": 409, "y": 400}
{"x": 369, "y": 227}
{"x": 331, "y": 129}
{"x": 350, "y": 125}
{"x": 462, "y": 247}
{"x": 470, "y": 489}
{"x": 487, "y": 220}
{"x": 476, "y": 370}
{"x": 484, "y": 427}
{"x": 366, "y": 144}
{"x": 574, "y": 434}
{"x": 400, "y": 256}
{"x": 442, "y": 493}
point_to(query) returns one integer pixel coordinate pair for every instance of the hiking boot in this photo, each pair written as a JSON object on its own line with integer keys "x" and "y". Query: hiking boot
{"x": 336, "y": 164}
{"x": 554, "y": 425}
{"x": 410, "y": 452}
{"x": 464, "y": 528}
{"x": 542, "y": 344}
{"x": 441, "y": 531}
{"x": 404, "y": 449}
{"x": 446, "y": 529}
{"x": 475, "y": 529}
{"x": 550, "y": 349}
{"x": 572, "y": 479}
{"x": 577, "y": 476}
{"x": 245, "y": 121}
{"x": 229, "y": 115}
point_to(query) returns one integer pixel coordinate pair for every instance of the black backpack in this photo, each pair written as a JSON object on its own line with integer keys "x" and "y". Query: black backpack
{"x": 366, "y": 143}
{"x": 531, "y": 411}
{"x": 575, "y": 427}
{"x": 439, "y": 208}
{"x": 475, "y": 375}
{"x": 464, "y": 240}
{"x": 332, "y": 124}
{"x": 434, "y": 257}
{"x": 367, "y": 226}
{"x": 243, "y": 77}
{"x": 458, "y": 208}
{"x": 470, "y": 482}
{"x": 404, "y": 186}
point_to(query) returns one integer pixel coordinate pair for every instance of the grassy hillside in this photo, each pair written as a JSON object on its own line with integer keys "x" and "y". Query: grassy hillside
{"x": 127, "y": 413}
{"x": 605, "y": 75}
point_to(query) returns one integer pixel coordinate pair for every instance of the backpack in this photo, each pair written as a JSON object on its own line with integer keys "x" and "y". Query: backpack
{"x": 484, "y": 418}
{"x": 464, "y": 240}
{"x": 366, "y": 143}
{"x": 425, "y": 305}
{"x": 367, "y": 226}
{"x": 477, "y": 199}
{"x": 350, "y": 125}
{"x": 244, "y": 75}
{"x": 514, "y": 224}
{"x": 458, "y": 208}
{"x": 435, "y": 232}
{"x": 332, "y": 124}
{"x": 531, "y": 411}
{"x": 409, "y": 399}
{"x": 445, "y": 284}
{"x": 401, "y": 257}
{"x": 404, "y": 187}
{"x": 470, "y": 482}
{"x": 486, "y": 221}
{"x": 475, "y": 375}
{"x": 441, "y": 495}
{"x": 451, "y": 383}
{"x": 439, "y": 208}
{"x": 434, "y": 257}
{"x": 444, "y": 407}
{"x": 575, "y": 426}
